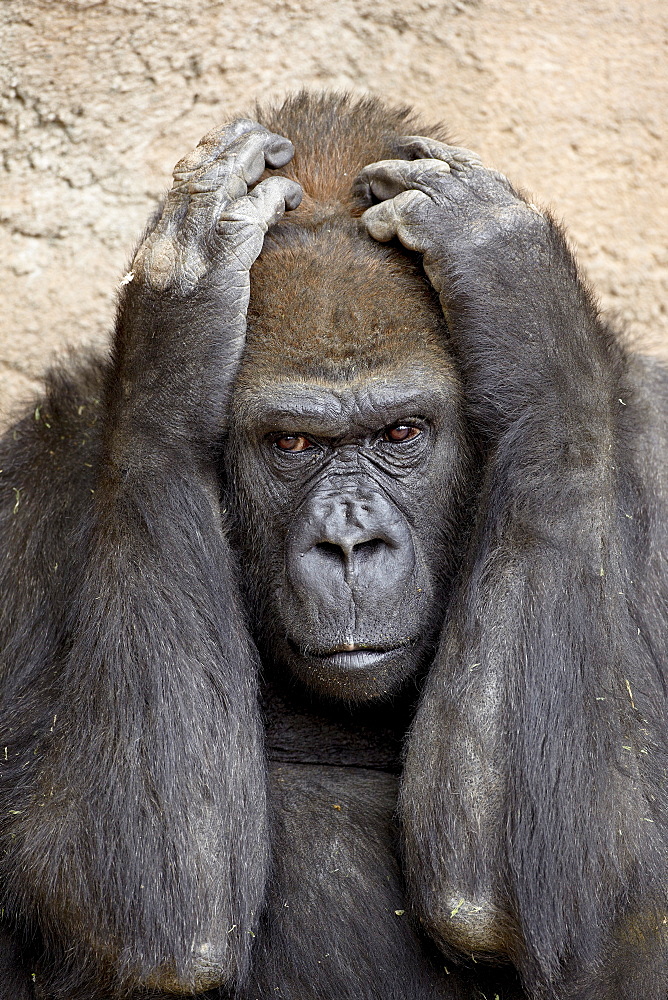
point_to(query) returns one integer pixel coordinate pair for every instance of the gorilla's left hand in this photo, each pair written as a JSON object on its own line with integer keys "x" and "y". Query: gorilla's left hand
{"x": 444, "y": 204}
{"x": 507, "y": 282}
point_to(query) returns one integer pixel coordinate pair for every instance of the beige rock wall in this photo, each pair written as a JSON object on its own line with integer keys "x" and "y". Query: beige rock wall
{"x": 101, "y": 97}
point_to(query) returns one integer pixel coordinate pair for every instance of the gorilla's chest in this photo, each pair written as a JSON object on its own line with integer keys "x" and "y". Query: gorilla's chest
{"x": 336, "y": 910}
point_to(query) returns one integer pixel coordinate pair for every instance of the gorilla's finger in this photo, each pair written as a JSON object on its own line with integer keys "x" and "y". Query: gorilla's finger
{"x": 241, "y": 139}
{"x": 273, "y": 197}
{"x": 232, "y": 171}
{"x": 420, "y": 147}
{"x": 242, "y": 225}
{"x": 387, "y": 178}
{"x": 393, "y": 218}
{"x": 263, "y": 206}
{"x": 279, "y": 152}
{"x": 213, "y": 144}
{"x": 198, "y": 198}
{"x": 222, "y": 135}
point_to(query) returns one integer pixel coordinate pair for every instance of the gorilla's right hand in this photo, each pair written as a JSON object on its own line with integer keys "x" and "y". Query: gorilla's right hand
{"x": 182, "y": 317}
{"x": 210, "y": 223}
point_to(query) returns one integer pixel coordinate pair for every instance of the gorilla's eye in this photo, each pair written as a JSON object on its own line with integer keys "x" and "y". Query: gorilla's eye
{"x": 400, "y": 433}
{"x": 293, "y": 442}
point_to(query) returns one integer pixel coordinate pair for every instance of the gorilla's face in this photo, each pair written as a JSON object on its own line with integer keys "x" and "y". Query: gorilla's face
{"x": 346, "y": 471}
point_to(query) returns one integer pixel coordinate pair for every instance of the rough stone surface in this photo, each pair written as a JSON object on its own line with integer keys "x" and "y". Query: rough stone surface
{"x": 101, "y": 97}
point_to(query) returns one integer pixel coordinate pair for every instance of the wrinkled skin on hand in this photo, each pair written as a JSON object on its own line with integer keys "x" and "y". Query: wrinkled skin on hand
{"x": 200, "y": 250}
{"x": 440, "y": 201}
{"x": 213, "y": 218}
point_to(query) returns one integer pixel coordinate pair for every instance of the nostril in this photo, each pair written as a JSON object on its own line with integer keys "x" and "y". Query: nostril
{"x": 369, "y": 547}
{"x": 330, "y": 550}
{"x": 344, "y": 550}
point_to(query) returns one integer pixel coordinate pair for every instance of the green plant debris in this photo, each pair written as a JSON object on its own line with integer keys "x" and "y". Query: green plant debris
{"x": 400, "y": 913}
{"x": 453, "y": 913}
{"x": 18, "y": 499}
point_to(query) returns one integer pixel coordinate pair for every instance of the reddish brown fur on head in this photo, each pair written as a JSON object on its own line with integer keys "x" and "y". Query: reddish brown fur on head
{"x": 328, "y": 302}
{"x": 335, "y": 136}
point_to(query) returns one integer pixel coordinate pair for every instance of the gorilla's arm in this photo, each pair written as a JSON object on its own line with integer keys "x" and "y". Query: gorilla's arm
{"x": 534, "y": 803}
{"x": 133, "y": 788}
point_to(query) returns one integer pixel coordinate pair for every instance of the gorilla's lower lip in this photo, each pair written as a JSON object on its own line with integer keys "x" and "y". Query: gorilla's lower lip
{"x": 357, "y": 658}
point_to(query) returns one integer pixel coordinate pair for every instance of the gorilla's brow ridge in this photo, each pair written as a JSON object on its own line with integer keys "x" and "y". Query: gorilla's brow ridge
{"x": 330, "y": 409}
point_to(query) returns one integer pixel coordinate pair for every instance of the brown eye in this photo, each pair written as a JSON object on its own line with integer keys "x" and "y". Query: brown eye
{"x": 293, "y": 442}
{"x": 400, "y": 433}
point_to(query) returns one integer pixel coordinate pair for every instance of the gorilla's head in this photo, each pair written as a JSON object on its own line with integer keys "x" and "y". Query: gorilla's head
{"x": 348, "y": 459}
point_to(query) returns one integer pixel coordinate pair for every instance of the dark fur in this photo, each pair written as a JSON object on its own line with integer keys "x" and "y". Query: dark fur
{"x": 134, "y": 781}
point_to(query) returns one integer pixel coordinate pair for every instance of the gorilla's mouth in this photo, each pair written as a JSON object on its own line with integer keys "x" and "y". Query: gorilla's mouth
{"x": 351, "y": 656}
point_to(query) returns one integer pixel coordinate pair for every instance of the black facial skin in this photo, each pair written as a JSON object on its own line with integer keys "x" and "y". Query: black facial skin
{"x": 344, "y": 496}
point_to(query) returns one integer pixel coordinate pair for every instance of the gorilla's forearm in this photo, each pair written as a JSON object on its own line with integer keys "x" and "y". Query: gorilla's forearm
{"x": 541, "y": 786}
{"x": 149, "y": 677}
{"x": 121, "y": 680}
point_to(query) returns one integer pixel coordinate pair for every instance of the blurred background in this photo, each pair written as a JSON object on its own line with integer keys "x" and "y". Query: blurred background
{"x": 101, "y": 97}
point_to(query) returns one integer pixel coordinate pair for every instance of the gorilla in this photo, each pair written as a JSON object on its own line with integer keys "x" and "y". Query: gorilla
{"x": 334, "y": 600}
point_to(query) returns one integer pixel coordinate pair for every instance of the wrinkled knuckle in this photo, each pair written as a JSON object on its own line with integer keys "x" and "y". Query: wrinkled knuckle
{"x": 156, "y": 263}
{"x": 409, "y": 202}
{"x": 242, "y": 244}
{"x": 191, "y": 161}
{"x": 430, "y": 174}
{"x": 253, "y": 166}
{"x": 224, "y": 134}
{"x": 372, "y": 170}
{"x": 461, "y": 158}
{"x": 232, "y": 223}
{"x": 240, "y": 228}
{"x": 417, "y": 146}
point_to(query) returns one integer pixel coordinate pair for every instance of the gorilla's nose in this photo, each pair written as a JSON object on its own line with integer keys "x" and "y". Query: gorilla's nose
{"x": 357, "y": 539}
